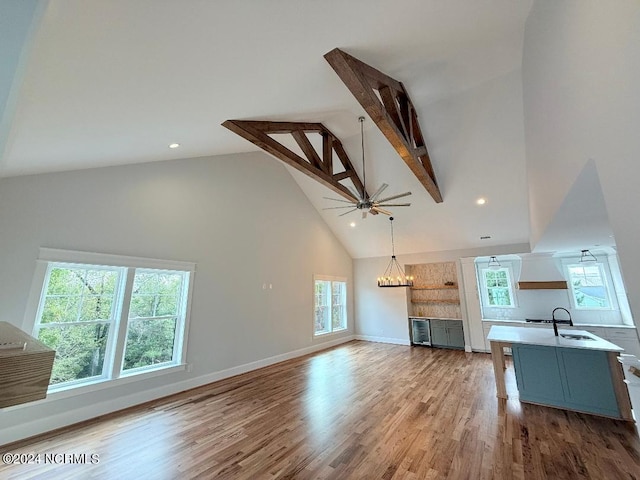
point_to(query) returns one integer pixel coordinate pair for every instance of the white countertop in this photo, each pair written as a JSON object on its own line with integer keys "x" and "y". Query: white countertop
{"x": 545, "y": 336}
{"x": 576, "y": 324}
{"x": 434, "y": 318}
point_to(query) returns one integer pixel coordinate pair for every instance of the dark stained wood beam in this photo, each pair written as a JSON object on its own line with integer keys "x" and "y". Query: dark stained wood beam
{"x": 348, "y": 166}
{"x": 391, "y": 106}
{"x": 395, "y": 115}
{"x": 327, "y": 153}
{"x": 320, "y": 169}
{"x": 307, "y": 148}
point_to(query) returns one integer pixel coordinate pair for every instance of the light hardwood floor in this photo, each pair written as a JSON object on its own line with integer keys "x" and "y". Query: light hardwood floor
{"x": 361, "y": 410}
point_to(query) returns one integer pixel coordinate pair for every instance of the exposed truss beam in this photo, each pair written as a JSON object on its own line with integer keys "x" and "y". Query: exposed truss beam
{"x": 316, "y": 166}
{"x": 392, "y": 112}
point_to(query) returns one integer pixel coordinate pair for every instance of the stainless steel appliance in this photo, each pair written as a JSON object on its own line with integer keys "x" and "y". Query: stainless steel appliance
{"x": 420, "y": 331}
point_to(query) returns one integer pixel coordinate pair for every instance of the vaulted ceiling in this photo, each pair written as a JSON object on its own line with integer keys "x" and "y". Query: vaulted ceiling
{"x": 115, "y": 82}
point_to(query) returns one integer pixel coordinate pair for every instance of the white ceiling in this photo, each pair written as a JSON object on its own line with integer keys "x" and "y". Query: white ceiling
{"x": 114, "y": 82}
{"x": 582, "y": 219}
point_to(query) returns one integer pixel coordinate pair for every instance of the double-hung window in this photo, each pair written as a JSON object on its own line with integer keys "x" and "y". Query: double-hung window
{"x": 77, "y": 317}
{"x": 589, "y": 286}
{"x": 330, "y": 309}
{"x": 109, "y": 316}
{"x": 155, "y": 317}
{"x": 497, "y": 288}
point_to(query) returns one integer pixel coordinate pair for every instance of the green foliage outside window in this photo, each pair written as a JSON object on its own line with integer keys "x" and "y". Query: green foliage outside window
{"x": 330, "y": 306}
{"x": 79, "y": 312}
{"x": 498, "y": 288}
{"x": 149, "y": 338}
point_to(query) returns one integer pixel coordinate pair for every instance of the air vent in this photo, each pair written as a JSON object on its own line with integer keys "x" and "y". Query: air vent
{"x": 485, "y": 237}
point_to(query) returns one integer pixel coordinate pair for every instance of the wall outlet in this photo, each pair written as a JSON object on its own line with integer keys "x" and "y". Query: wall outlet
{"x": 189, "y": 367}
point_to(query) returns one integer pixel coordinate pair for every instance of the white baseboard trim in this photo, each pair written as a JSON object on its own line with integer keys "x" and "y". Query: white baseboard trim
{"x": 78, "y": 414}
{"x": 369, "y": 338}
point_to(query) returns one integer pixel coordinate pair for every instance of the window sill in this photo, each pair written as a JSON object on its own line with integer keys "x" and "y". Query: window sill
{"x": 101, "y": 384}
{"x": 326, "y": 334}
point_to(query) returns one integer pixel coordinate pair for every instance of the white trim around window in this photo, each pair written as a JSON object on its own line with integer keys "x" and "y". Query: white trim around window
{"x": 590, "y": 275}
{"x": 329, "y": 305}
{"x": 506, "y": 271}
{"x": 170, "y": 308}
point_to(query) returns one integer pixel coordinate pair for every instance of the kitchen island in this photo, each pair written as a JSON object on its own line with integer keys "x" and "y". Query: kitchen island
{"x": 575, "y": 370}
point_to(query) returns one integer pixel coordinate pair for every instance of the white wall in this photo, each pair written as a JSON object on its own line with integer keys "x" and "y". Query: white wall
{"x": 539, "y": 304}
{"x": 241, "y": 218}
{"x": 581, "y": 72}
{"x": 382, "y": 313}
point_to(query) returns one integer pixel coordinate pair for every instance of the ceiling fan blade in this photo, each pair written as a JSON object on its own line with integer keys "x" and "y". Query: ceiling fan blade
{"x": 378, "y": 192}
{"x": 392, "y": 204}
{"x": 380, "y": 210}
{"x": 345, "y": 213}
{"x": 400, "y": 195}
{"x": 346, "y": 206}
{"x": 338, "y": 200}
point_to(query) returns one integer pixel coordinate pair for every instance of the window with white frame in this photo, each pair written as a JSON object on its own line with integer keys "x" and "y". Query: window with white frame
{"x": 330, "y": 305}
{"x": 112, "y": 316}
{"x": 589, "y": 288}
{"x": 497, "y": 288}
{"x": 155, "y": 313}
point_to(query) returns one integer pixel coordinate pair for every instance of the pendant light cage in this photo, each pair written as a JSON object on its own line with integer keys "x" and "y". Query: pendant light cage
{"x": 494, "y": 264}
{"x": 394, "y": 275}
{"x": 586, "y": 257}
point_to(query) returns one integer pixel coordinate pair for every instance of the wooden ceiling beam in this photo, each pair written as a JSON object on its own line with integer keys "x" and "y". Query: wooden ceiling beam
{"x": 327, "y": 153}
{"x": 395, "y": 115}
{"x": 307, "y": 148}
{"x": 320, "y": 169}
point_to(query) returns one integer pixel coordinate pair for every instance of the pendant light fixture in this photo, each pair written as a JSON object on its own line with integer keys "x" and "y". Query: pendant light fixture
{"x": 494, "y": 264}
{"x": 394, "y": 275}
{"x": 586, "y": 256}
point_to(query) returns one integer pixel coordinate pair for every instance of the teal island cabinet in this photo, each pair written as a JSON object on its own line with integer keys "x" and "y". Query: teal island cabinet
{"x": 575, "y": 370}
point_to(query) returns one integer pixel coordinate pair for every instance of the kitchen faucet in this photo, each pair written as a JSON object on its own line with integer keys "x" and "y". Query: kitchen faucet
{"x": 555, "y": 322}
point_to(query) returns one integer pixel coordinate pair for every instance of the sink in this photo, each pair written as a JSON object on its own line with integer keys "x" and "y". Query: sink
{"x": 575, "y": 336}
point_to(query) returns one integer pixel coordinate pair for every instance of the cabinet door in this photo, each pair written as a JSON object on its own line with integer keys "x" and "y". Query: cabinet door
{"x": 439, "y": 333}
{"x": 538, "y": 374}
{"x": 587, "y": 378}
{"x": 455, "y": 334}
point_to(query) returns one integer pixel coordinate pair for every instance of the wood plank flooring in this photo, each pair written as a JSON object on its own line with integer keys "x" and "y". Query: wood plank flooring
{"x": 358, "y": 411}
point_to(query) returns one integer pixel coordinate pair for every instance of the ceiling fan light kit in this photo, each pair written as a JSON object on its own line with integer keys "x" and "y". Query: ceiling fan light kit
{"x": 368, "y": 204}
{"x": 393, "y": 113}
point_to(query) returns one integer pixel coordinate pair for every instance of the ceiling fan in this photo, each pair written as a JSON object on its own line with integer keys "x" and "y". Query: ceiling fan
{"x": 368, "y": 204}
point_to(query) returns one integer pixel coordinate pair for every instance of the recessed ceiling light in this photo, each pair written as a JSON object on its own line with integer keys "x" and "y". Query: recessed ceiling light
{"x": 481, "y": 201}
{"x": 352, "y": 224}
{"x": 174, "y": 145}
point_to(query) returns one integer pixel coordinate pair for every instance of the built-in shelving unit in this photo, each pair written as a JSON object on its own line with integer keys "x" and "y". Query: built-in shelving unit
{"x": 435, "y": 287}
{"x": 435, "y": 293}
